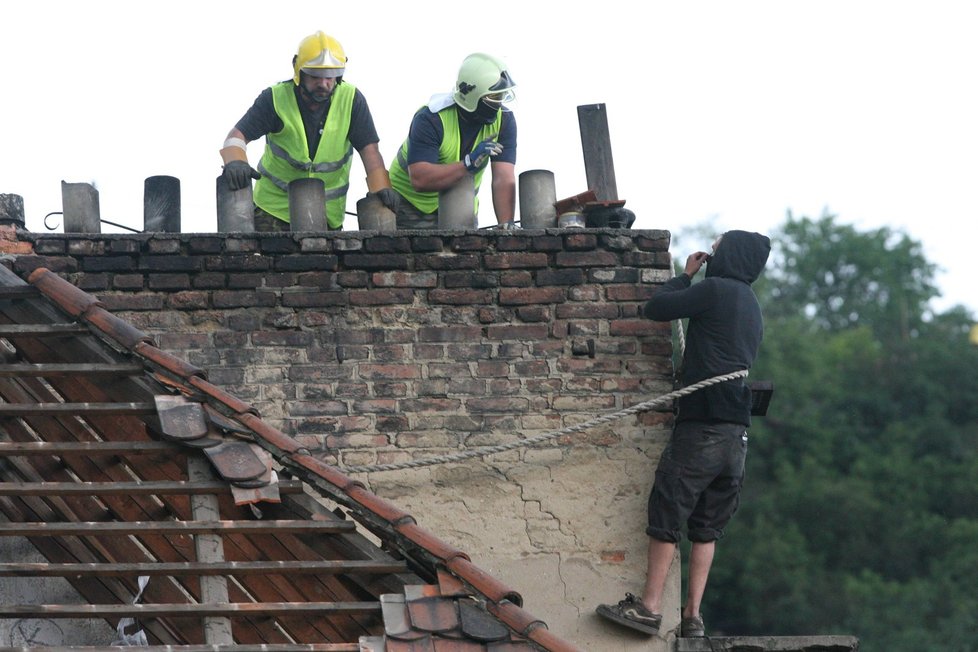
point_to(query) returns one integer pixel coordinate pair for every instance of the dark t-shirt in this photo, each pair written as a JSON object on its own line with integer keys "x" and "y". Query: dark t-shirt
{"x": 261, "y": 119}
{"x": 427, "y": 130}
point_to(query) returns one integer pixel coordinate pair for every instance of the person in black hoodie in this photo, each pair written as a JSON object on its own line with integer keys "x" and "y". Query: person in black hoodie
{"x": 700, "y": 473}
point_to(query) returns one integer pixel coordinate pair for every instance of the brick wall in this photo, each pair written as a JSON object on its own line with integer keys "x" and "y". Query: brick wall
{"x": 379, "y": 348}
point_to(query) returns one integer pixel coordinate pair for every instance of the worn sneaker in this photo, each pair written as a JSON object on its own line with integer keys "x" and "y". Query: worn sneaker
{"x": 692, "y": 627}
{"x": 630, "y": 612}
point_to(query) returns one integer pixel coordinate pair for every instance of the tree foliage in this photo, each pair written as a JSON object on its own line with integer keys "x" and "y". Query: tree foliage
{"x": 860, "y": 509}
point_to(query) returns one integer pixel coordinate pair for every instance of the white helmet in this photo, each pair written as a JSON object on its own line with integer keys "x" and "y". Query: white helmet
{"x": 483, "y": 77}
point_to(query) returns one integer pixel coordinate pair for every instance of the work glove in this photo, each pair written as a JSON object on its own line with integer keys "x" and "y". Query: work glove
{"x": 239, "y": 174}
{"x": 389, "y": 198}
{"x": 479, "y": 157}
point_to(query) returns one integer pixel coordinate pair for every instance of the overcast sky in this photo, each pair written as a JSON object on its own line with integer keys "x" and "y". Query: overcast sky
{"x": 734, "y": 112}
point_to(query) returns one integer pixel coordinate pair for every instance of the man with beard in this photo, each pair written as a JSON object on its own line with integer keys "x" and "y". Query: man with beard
{"x": 457, "y": 134}
{"x": 311, "y": 123}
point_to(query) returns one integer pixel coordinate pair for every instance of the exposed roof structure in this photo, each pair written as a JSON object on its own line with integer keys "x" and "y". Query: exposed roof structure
{"x": 164, "y": 500}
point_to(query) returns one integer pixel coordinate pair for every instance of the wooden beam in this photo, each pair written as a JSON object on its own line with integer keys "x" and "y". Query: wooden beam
{"x": 12, "y": 448}
{"x": 73, "y": 409}
{"x": 103, "y": 528}
{"x": 42, "y": 370}
{"x": 180, "y": 569}
{"x": 126, "y": 488}
{"x": 241, "y": 609}
{"x": 41, "y": 330}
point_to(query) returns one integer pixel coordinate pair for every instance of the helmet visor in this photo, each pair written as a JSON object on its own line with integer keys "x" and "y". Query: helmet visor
{"x": 498, "y": 98}
{"x": 323, "y": 72}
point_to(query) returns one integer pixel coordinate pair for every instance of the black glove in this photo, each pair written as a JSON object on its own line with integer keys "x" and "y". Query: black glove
{"x": 481, "y": 154}
{"x": 389, "y": 198}
{"x": 239, "y": 174}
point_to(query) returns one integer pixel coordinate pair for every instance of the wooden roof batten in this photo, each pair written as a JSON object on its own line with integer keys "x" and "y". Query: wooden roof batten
{"x": 120, "y": 462}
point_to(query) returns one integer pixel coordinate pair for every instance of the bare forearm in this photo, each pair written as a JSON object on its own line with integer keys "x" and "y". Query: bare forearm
{"x": 504, "y": 191}
{"x": 434, "y": 177}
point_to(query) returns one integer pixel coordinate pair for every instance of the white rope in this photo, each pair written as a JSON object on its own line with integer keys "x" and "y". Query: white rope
{"x": 523, "y": 443}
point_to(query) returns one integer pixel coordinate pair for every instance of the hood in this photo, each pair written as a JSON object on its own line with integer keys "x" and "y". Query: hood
{"x": 741, "y": 255}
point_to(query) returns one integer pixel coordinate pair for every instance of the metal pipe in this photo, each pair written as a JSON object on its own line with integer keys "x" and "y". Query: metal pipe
{"x": 372, "y": 215}
{"x": 538, "y": 194}
{"x": 307, "y": 205}
{"x": 456, "y": 205}
{"x": 79, "y": 202}
{"x": 161, "y": 204}
{"x": 235, "y": 208}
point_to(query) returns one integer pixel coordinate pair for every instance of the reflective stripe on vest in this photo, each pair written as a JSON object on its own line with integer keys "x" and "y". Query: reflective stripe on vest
{"x": 449, "y": 151}
{"x": 286, "y": 156}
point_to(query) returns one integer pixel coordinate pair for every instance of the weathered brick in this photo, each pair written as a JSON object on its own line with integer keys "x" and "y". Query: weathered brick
{"x": 313, "y": 299}
{"x": 449, "y": 334}
{"x": 127, "y": 281}
{"x": 307, "y": 263}
{"x": 171, "y": 263}
{"x": 533, "y": 314}
{"x": 379, "y": 297}
{"x": 517, "y": 332}
{"x": 85, "y": 247}
{"x": 405, "y": 279}
{"x": 516, "y": 260}
{"x": 282, "y": 338}
{"x": 470, "y": 279}
{"x": 452, "y": 261}
{"x": 631, "y": 327}
{"x": 426, "y": 244}
{"x": 620, "y": 275}
{"x": 560, "y": 277}
{"x": 586, "y": 310}
{"x": 518, "y": 279}
{"x": 105, "y": 264}
{"x": 389, "y": 371}
{"x": 234, "y": 262}
{"x": 279, "y": 244}
{"x": 50, "y": 246}
{"x": 132, "y": 301}
{"x": 313, "y": 244}
{"x": 586, "y": 259}
{"x": 168, "y": 281}
{"x": 377, "y": 262}
{"x": 470, "y": 243}
{"x": 580, "y": 242}
{"x": 250, "y": 280}
{"x": 204, "y": 245}
{"x": 93, "y": 282}
{"x": 242, "y": 299}
{"x": 189, "y": 300}
{"x": 504, "y": 405}
{"x": 458, "y": 297}
{"x": 387, "y": 245}
{"x": 492, "y": 369}
{"x": 163, "y": 246}
{"x": 531, "y": 296}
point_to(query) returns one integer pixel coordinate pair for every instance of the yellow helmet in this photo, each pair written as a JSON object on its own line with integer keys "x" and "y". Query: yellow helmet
{"x": 319, "y": 55}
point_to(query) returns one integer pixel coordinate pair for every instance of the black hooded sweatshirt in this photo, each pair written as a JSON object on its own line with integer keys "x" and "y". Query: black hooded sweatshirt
{"x": 725, "y": 326}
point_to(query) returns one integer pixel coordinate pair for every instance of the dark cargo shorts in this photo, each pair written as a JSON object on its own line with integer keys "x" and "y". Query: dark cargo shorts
{"x": 698, "y": 481}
